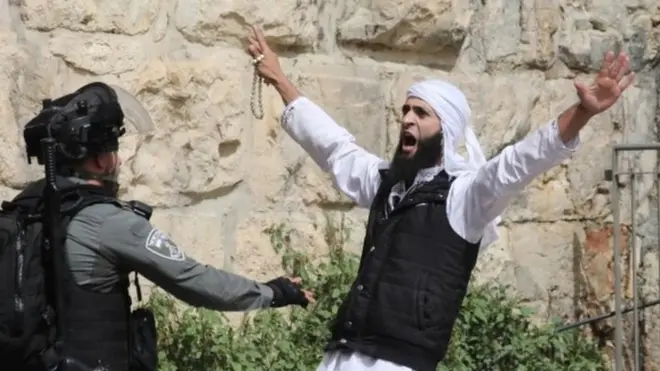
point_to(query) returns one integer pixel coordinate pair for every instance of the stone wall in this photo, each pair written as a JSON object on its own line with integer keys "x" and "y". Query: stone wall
{"x": 218, "y": 176}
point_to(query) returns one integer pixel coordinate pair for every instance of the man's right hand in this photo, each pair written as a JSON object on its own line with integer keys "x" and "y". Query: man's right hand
{"x": 287, "y": 291}
{"x": 268, "y": 66}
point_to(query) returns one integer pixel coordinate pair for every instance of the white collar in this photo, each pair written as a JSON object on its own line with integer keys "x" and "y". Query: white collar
{"x": 423, "y": 176}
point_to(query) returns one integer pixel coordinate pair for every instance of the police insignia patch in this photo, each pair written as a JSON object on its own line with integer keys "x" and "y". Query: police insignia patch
{"x": 161, "y": 245}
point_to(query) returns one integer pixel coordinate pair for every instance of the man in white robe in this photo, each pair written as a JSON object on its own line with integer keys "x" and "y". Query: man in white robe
{"x": 435, "y": 118}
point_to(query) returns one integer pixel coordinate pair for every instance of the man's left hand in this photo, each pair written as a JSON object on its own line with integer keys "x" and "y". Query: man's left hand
{"x": 613, "y": 78}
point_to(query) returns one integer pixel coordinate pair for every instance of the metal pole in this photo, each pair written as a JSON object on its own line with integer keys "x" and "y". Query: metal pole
{"x": 633, "y": 246}
{"x": 606, "y": 316}
{"x": 618, "y": 328}
{"x": 614, "y": 175}
{"x": 636, "y": 147}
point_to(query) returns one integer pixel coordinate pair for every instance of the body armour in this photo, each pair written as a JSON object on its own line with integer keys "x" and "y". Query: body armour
{"x": 413, "y": 276}
{"x": 96, "y": 325}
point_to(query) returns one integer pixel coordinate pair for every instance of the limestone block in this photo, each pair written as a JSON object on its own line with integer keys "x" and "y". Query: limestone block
{"x": 502, "y": 29}
{"x": 13, "y": 167}
{"x": 426, "y": 27}
{"x": 496, "y": 261}
{"x": 97, "y": 53}
{"x": 591, "y": 28}
{"x": 123, "y": 16}
{"x": 596, "y": 261}
{"x": 285, "y": 23}
{"x": 541, "y": 19}
{"x": 546, "y": 245}
{"x": 5, "y": 18}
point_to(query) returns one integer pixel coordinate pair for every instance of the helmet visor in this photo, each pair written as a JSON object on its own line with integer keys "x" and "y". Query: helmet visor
{"x": 135, "y": 113}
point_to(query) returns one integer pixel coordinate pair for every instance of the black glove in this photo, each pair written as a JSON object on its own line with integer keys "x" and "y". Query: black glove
{"x": 286, "y": 293}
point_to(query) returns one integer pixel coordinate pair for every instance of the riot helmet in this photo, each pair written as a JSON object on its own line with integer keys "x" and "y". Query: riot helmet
{"x": 85, "y": 123}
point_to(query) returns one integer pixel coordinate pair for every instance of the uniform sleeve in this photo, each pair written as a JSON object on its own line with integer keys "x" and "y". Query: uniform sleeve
{"x": 138, "y": 246}
{"x": 354, "y": 170}
{"x": 477, "y": 199}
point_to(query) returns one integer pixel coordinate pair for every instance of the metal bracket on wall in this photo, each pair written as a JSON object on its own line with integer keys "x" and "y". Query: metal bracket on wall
{"x": 638, "y": 317}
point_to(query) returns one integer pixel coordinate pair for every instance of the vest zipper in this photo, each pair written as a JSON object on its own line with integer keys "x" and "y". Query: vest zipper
{"x": 403, "y": 198}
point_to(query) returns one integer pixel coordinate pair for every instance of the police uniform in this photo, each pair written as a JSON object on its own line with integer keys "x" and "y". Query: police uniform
{"x": 107, "y": 240}
{"x": 104, "y": 241}
{"x": 73, "y": 307}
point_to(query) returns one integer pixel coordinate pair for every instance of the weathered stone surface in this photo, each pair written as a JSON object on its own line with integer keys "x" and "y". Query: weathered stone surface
{"x": 124, "y": 16}
{"x": 97, "y": 53}
{"x": 429, "y": 27}
{"x": 220, "y": 178}
{"x": 13, "y": 169}
{"x": 591, "y": 28}
{"x": 541, "y": 21}
{"x": 208, "y": 22}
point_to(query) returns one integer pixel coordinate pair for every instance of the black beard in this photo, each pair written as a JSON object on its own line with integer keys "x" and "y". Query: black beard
{"x": 428, "y": 154}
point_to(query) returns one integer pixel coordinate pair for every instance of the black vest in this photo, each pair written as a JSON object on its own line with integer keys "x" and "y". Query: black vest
{"x": 413, "y": 276}
{"x": 96, "y": 324}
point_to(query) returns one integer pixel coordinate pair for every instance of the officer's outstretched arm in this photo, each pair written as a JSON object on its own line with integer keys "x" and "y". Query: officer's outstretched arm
{"x": 135, "y": 245}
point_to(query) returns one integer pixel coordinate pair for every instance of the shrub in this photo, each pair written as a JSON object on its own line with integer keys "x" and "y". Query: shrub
{"x": 493, "y": 331}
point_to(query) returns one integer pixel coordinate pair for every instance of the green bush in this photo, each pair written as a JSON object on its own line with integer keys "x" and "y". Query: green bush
{"x": 493, "y": 331}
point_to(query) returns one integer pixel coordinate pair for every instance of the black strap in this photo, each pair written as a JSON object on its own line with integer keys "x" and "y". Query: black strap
{"x": 73, "y": 200}
{"x": 138, "y": 291}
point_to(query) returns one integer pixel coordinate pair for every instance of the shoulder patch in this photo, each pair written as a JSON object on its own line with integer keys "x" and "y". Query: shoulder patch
{"x": 158, "y": 243}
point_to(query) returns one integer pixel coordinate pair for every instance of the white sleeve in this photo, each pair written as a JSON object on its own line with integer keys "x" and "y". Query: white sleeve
{"x": 478, "y": 198}
{"x": 354, "y": 170}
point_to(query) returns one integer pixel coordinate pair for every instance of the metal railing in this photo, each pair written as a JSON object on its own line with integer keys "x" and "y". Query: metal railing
{"x": 637, "y": 309}
{"x": 638, "y": 319}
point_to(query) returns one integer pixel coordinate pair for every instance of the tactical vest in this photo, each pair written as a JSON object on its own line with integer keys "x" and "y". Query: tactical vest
{"x": 96, "y": 324}
{"x": 413, "y": 276}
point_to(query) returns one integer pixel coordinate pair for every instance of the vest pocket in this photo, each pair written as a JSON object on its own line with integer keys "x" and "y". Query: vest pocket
{"x": 394, "y": 309}
{"x": 438, "y": 302}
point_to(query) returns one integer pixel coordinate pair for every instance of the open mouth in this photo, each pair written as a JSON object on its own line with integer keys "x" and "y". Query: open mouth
{"x": 408, "y": 141}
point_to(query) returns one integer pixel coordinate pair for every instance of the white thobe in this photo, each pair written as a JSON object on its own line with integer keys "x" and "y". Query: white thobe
{"x": 474, "y": 199}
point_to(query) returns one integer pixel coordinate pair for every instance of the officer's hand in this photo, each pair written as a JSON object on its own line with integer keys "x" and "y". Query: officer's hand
{"x": 287, "y": 291}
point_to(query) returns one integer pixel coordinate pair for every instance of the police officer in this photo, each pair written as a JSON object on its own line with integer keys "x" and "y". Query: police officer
{"x": 106, "y": 241}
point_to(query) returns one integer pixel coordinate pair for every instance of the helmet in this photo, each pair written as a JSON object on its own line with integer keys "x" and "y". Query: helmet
{"x": 84, "y": 123}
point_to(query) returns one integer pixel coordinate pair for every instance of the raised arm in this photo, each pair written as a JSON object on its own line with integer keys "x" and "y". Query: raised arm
{"x": 354, "y": 170}
{"x": 485, "y": 194}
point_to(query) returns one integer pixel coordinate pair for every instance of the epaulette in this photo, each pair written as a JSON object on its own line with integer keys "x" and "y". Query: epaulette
{"x": 139, "y": 208}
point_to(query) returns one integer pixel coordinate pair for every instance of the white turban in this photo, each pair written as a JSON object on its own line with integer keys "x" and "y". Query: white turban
{"x": 451, "y": 106}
